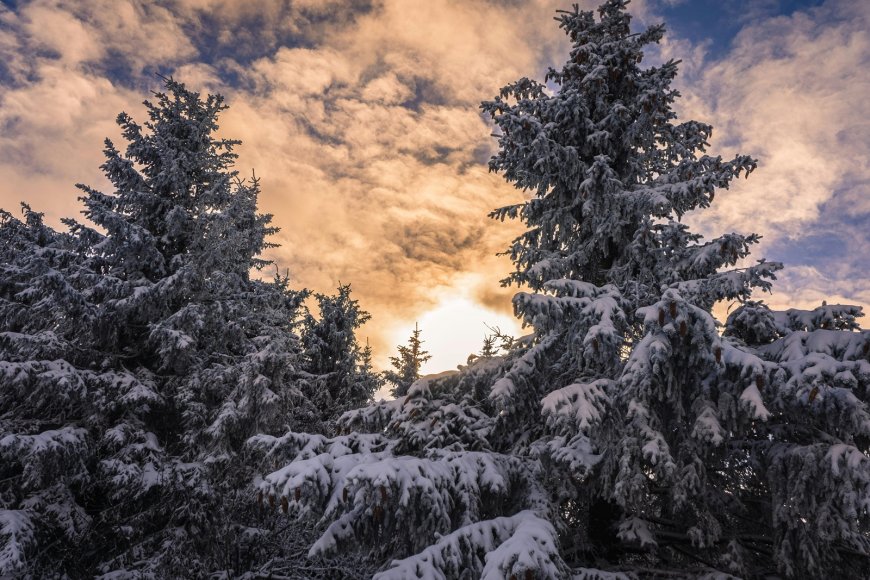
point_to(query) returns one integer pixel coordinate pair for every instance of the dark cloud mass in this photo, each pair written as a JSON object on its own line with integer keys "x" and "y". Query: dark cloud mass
{"x": 361, "y": 118}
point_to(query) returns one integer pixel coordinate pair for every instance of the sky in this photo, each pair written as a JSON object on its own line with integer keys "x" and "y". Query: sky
{"x": 361, "y": 118}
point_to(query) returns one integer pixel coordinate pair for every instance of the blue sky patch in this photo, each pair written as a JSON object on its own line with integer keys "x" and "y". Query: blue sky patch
{"x": 716, "y": 22}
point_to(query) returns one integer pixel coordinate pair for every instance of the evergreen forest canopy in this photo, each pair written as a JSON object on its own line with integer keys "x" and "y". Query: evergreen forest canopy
{"x": 164, "y": 414}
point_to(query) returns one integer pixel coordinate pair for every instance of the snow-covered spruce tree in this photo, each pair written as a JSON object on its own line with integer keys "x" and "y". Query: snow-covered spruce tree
{"x": 406, "y": 366}
{"x": 45, "y": 383}
{"x": 416, "y": 477}
{"x": 807, "y": 467}
{"x": 687, "y": 446}
{"x": 137, "y": 356}
{"x": 625, "y": 433}
{"x": 339, "y": 369}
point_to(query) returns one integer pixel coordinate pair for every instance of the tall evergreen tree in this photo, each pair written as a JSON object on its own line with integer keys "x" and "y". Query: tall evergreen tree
{"x": 337, "y": 365}
{"x": 137, "y": 355}
{"x": 407, "y": 365}
{"x": 625, "y": 432}
{"x": 370, "y": 379}
{"x": 691, "y": 432}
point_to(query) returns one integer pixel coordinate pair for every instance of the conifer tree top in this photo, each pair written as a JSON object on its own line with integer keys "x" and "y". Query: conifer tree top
{"x": 603, "y": 156}
{"x": 176, "y": 193}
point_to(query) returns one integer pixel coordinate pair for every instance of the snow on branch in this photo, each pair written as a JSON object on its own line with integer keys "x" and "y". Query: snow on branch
{"x": 370, "y": 495}
{"x": 821, "y": 501}
{"x": 826, "y": 316}
{"x": 505, "y": 388}
{"x": 520, "y": 546}
{"x": 576, "y": 453}
{"x": 46, "y": 456}
{"x": 16, "y": 537}
{"x": 578, "y": 406}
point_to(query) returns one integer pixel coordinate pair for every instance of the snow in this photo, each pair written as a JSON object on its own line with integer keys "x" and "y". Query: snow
{"x": 583, "y": 404}
{"x": 849, "y": 456}
{"x": 373, "y": 417}
{"x": 187, "y": 377}
{"x": 482, "y": 365}
{"x": 840, "y": 316}
{"x": 45, "y": 455}
{"x": 533, "y": 546}
{"x": 751, "y": 397}
{"x": 575, "y": 452}
{"x": 421, "y": 387}
{"x": 636, "y": 530}
{"x": 504, "y": 388}
{"x": 507, "y": 547}
{"x": 708, "y": 428}
{"x": 17, "y": 535}
{"x": 348, "y": 482}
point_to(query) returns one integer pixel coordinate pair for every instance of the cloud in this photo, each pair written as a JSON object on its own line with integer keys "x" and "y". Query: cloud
{"x": 59, "y": 95}
{"x": 42, "y": 130}
{"x": 792, "y": 92}
{"x": 372, "y": 147}
{"x": 806, "y": 287}
{"x": 361, "y": 119}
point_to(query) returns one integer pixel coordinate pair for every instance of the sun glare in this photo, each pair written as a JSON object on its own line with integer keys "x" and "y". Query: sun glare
{"x": 454, "y": 329}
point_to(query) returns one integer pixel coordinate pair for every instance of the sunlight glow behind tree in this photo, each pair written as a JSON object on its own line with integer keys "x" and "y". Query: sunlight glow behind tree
{"x": 452, "y": 330}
